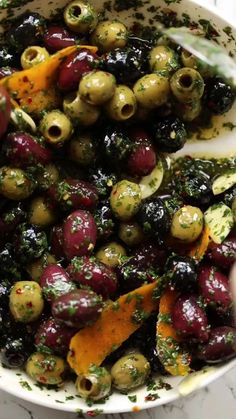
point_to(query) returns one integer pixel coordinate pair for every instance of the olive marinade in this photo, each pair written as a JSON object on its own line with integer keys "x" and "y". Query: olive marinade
{"x": 95, "y": 224}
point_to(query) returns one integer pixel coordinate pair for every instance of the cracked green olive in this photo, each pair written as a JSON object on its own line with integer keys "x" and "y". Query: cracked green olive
{"x": 110, "y": 254}
{"x": 152, "y": 90}
{"x": 109, "y": 35}
{"x": 80, "y": 111}
{"x": 97, "y": 87}
{"x": 32, "y": 56}
{"x": 80, "y": 17}
{"x": 95, "y": 385}
{"x": 26, "y": 301}
{"x": 15, "y": 183}
{"x": 56, "y": 127}
{"x": 125, "y": 199}
{"x": 130, "y": 371}
{"x": 46, "y": 368}
{"x": 187, "y": 224}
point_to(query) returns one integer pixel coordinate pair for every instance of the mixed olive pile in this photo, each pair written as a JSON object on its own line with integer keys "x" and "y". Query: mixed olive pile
{"x": 93, "y": 208}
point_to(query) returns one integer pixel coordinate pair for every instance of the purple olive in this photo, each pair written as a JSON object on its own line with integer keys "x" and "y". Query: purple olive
{"x": 22, "y": 150}
{"x": 132, "y": 275}
{"x": 7, "y": 71}
{"x": 72, "y": 194}
{"x": 150, "y": 254}
{"x": 55, "y": 282}
{"x": 78, "y": 308}
{"x": 221, "y": 345}
{"x": 224, "y": 254}
{"x": 79, "y": 234}
{"x": 5, "y": 110}
{"x": 214, "y": 287}
{"x": 189, "y": 319}
{"x": 57, "y": 37}
{"x": 91, "y": 273}
{"x": 74, "y": 68}
{"x": 53, "y": 336}
{"x": 56, "y": 242}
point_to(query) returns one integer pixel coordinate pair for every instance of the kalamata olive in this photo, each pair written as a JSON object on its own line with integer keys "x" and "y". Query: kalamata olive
{"x": 27, "y": 30}
{"x": 150, "y": 254}
{"x": 104, "y": 220}
{"x": 22, "y": 150}
{"x": 56, "y": 241}
{"x": 5, "y": 110}
{"x": 183, "y": 272}
{"x": 29, "y": 242}
{"x": 74, "y": 68}
{"x": 79, "y": 234}
{"x": 189, "y": 319}
{"x": 224, "y": 254}
{"x": 56, "y": 38}
{"x": 214, "y": 287}
{"x": 7, "y": 71}
{"x": 52, "y": 336}
{"x": 72, "y": 194}
{"x": 142, "y": 160}
{"x": 94, "y": 275}
{"x": 78, "y": 308}
{"x": 55, "y": 282}
{"x": 221, "y": 345}
{"x": 14, "y": 353}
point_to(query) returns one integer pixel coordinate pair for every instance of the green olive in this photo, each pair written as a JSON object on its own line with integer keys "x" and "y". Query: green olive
{"x": 189, "y": 111}
{"x": 35, "y": 269}
{"x": 46, "y": 368}
{"x": 32, "y": 56}
{"x": 82, "y": 150}
{"x": 41, "y": 214}
{"x": 15, "y": 183}
{"x": 48, "y": 177}
{"x": 56, "y": 127}
{"x": 26, "y": 301}
{"x": 125, "y": 199}
{"x": 187, "y": 224}
{"x": 97, "y": 87}
{"x": 152, "y": 90}
{"x": 163, "y": 59}
{"x": 111, "y": 254}
{"x": 122, "y": 105}
{"x": 188, "y": 59}
{"x": 187, "y": 85}
{"x": 79, "y": 111}
{"x": 109, "y": 35}
{"x": 95, "y": 385}
{"x": 131, "y": 233}
{"x": 80, "y": 17}
{"x": 22, "y": 121}
{"x": 130, "y": 371}
{"x": 234, "y": 209}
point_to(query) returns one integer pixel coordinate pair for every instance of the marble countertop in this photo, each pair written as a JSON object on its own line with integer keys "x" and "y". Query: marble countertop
{"x": 214, "y": 402}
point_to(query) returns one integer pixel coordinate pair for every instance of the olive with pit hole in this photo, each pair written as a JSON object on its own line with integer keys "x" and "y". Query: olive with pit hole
{"x": 56, "y": 128}
{"x": 78, "y": 308}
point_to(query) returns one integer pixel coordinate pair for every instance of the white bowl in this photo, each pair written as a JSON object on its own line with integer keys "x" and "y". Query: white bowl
{"x": 17, "y": 382}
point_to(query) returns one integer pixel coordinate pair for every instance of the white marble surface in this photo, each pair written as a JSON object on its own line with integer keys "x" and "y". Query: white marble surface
{"x": 215, "y": 402}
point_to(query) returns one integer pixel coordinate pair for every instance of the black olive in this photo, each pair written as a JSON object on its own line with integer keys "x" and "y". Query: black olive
{"x": 28, "y": 29}
{"x": 172, "y": 202}
{"x": 183, "y": 271}
{"x": 126, "y": 64}
{"x": 8, "y": 58}
{"x": 5, "y": 287}
{"x": 104, "y": 220}
{"x": 228, "y": 196}
{"x": 219, "y": 96}
{"x": 117, "y": 145}
{"x": 29, "y": 242}
{"x": 102, "y": 180}
{"x": 170, "y": 134}
{"x": 9, "y": 268}
{"x": 194, "y": 187}
{"x": 154, "y": 217}
{"x": 14, "y": 354}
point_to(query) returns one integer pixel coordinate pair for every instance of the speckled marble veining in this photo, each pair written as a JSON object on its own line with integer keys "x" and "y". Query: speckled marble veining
{"x": 218, "y": 401}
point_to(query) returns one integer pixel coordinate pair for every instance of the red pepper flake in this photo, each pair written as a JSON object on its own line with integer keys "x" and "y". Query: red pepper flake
{"x": 25, "y": 79}
{"x": 19, "y": 291}
{"x": 42, "y": 379}
{"x": 151, "y": 397}
{"x": 30, "y": 100}
{"x": 29, "y": 304}
{"x": 93, "y": 413}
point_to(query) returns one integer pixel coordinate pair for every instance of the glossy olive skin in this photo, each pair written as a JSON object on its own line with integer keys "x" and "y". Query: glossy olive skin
{"x": 4, "y": 292}
{"x": 15, "y": 353}
{"x": 103, "y": 180}
{"x": 170, "y": 134}
{"x": 78, "y": 308}
{"x": 72, "y": 194}
{"x": 57, "y": 37}
{"x": 10, "y": 268}
{"x": 130, "y": 371}
{"x": 7, "y": 71}
{"x": 93, "y": 275}
{"x": 79, "y": 234}
{"x": 194, "y": 187}
{"x": 214, "y": 287}
{"x": 116, "y": 144}
{"x": 189, "y": 319}
{"x": 125, "y": 64}
{"x": 55, "y": 282}
{"x": 28, "y": 29}
{"x": 224, "y": 254}
{"x": 183, "y": 273}
{"x": 52, "y": 336}
{"x": 56, "y": 242}
{"x": 154, "y": 217}
{"x": 11, "y": 216}
{"x": 29, "y": 242}
{"x": 5, "y": 110}
{"x": 104, "y": 221}
{"x": 219, "y": 97}
{"x": 142, "y": 159}
{"x": 22, "y": 150}
{"x": 74, "y": 68}
{"x": 221, "y": 345}
{"x": 8, "y": 57}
